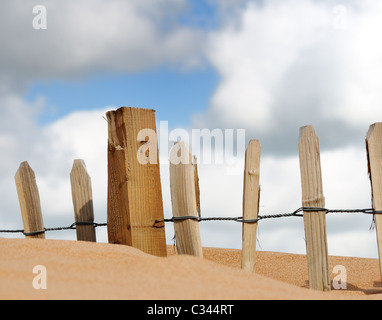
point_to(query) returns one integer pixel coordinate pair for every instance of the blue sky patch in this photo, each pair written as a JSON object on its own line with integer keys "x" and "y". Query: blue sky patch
{"x": 174, "y": 94}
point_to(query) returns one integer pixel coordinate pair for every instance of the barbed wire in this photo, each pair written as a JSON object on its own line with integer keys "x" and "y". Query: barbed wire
{"x": 160, "y": 223}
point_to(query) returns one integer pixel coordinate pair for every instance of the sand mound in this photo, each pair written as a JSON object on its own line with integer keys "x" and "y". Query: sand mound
{"x": 78, "y": 270}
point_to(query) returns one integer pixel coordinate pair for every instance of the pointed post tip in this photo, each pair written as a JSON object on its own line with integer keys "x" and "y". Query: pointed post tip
{"x": 305, "y": 130}
{"x": 254, "y": 142}
{"x": 24, "y": 164}
{"x": 24, "y": 167}
{"x": 374, "y": 127}
{"x": 79, "y": 162}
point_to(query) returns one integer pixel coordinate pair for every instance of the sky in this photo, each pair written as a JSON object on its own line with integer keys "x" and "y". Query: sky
{"x": 267, "y": 67}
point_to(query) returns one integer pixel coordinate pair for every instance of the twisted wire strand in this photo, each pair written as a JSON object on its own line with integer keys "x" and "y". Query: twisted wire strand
{"x": 160, "y": 223}
{"x": 73, "y": 226}
{"x": 296, "y": 213}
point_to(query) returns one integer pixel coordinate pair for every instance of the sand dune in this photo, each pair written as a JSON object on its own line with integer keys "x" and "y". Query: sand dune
{"x": 78, "y": 270}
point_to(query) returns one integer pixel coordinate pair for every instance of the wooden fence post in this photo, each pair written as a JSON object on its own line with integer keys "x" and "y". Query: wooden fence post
{"x": 374, "y": 156}
{"x": 184, "y": 201}
{"x": 134, "y": 188}
{"x": 251, "y": 200}
{"x": 314, "y": 222}
{"x": 29, "y": 199}
{"x": 82, "y": 201}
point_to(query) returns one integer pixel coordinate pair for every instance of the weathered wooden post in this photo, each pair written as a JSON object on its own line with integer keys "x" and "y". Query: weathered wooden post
{"x": 314, "y": 222}
{"x": 134, "y": 186}
{"x": 82, "y": 202}
{"x": 374, "y": 156}
{"x": 251, "y": 200}
{"x": 29, "y": 199}
{"x": 184, "y": 200}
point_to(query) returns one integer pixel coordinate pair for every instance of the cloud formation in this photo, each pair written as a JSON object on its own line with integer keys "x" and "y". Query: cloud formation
{"x": 84, "y": 37}
{"x": 283, "y": 66}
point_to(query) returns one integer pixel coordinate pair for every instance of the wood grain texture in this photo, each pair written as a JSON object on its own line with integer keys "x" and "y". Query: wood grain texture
{"x": 314, "y": 222}
{"x": 134, "y": 189}
{"x": 197, "y": 187}
{"x": 374, "y": 155}
{"x": 184, "y": 201}
{"x": 29, "y": 199}
{"x": 251, "y": 200}
{"x": 82, "y": 196}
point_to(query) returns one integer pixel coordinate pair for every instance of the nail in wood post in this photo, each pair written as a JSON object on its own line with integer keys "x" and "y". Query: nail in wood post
{"x": 315, "y": 222}
{"x": 183, "y": 197}
{"x": 134, "y": 191}
{"x": 251, "y": 204}
{"x": 82, "y": 201}
{"x": 29, "y": 199}
{"x": 374, "y": 155}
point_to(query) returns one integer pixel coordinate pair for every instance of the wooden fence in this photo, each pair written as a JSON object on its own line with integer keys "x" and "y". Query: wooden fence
{"x": 82, "y": 202}
{"x": 135, "y": 197}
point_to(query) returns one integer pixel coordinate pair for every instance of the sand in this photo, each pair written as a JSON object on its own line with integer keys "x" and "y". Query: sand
{"x": 79, "y": 270}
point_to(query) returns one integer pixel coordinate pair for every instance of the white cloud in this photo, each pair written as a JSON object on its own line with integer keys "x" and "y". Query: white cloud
{"x": 19, "y": 136}
{"x": 285, "y": 65}
{"x": 81, "y": 135}
{"x": 84, "y": 37}
{"x": 50, "y": 152}
{"x": 353, "y": 244}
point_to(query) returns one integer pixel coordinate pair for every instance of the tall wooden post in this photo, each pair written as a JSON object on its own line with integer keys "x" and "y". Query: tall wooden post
{"x": 374, "y": 156}
{"x": 315, "y": 222}
{"x": 82, "y": 201}
{"x": 29, "y": 199}
{"x": 134, "y": 190}
{"x": 251, "y": 200}
{"x": 184, "y": 201}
